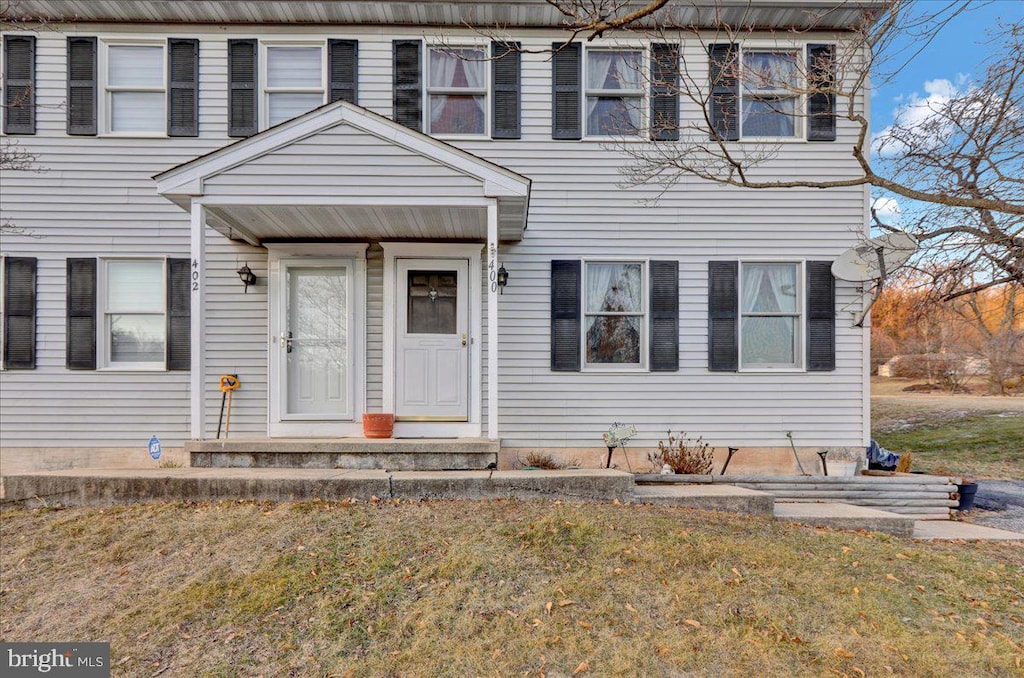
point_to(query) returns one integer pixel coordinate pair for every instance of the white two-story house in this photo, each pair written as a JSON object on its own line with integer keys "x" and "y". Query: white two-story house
{"x": 414, "y": 208}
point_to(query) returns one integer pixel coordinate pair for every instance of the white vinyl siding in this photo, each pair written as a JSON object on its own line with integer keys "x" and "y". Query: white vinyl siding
{"x": 294, "y": 80}
{"x": 97, "y": 199}
{"x": 135, "y": 88}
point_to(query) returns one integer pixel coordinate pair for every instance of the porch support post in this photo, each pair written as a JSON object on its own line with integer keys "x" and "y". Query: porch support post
{"x": 197, "y": 358}
{"x": 492, "y": 320}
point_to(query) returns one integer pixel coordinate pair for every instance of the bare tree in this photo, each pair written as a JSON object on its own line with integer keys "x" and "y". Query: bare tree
{"x": 962, "y": 163}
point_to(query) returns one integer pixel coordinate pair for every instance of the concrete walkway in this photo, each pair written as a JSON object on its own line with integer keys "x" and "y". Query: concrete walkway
{"x": 955, "y": 530}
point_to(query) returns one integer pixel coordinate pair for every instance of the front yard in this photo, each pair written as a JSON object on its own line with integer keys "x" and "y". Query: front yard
{"x": 979, "y": 436}
{"x": 502, "y": 588}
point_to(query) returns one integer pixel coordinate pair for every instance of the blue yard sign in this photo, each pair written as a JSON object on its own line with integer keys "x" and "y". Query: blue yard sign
{"x": 154, "y": 448}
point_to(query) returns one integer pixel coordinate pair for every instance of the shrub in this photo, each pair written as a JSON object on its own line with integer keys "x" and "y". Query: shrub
{"x": 545, "y": 461}
{"x": 683, "y": 455}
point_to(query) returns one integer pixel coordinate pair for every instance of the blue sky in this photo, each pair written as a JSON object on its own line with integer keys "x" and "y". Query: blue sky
{"x": 958, "y": 50}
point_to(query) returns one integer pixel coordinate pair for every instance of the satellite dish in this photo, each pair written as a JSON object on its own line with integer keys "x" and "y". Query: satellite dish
{"x": 875, "y": 258}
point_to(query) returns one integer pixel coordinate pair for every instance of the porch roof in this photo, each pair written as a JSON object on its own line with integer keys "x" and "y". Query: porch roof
{"x": 341, "y": 171}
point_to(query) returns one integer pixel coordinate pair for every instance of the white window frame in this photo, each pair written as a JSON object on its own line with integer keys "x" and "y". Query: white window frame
{"x": 264, "y": 69}
{"x": 645, "y": 329}
{"x": 641, "y": 94}
{"x": 799, "y": 338}
{"x": 800, "y": 107}
{"x": 106, "y": 109}
{"x": 103, "y": 330}
{"x": 484, "y": 91}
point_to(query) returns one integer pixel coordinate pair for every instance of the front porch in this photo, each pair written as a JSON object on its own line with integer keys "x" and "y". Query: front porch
{"x": 376, "y": 251}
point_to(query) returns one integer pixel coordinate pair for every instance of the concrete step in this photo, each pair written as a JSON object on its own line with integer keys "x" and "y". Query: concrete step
{"x": 845, "y": 517}
{"x": 419, "y": 454}
{"x": 706, "y": 497}
{"x": 92, "y": 487}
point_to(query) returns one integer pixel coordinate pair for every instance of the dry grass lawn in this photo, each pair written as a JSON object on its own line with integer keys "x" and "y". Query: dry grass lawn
{"x": 502, "y": 588}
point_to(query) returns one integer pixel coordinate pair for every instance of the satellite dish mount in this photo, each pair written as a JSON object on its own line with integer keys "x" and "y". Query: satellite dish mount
{"x": 872, "y": 261}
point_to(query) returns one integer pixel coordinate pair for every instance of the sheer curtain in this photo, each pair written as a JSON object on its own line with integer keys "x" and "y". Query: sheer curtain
{"x": 612, "y": 71}
{"x": 614, "y": 287}
{"x": 457, "y": 113}
{"x": 769, "y": 288}
{"x": 769, "y": 340}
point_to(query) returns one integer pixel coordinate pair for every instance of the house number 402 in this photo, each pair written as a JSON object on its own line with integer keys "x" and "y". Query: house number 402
{"x": 195, "y": 275}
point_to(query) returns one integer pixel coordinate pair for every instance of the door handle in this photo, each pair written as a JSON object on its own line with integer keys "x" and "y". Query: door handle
{"x": 287, "y": 342}
{"x": 463, "y": 338}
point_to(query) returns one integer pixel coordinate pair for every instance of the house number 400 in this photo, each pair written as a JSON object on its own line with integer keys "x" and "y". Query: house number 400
{"x": 492, "y": 272}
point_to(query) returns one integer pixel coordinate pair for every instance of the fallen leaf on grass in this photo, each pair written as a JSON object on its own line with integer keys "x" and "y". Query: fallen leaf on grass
{"x": 840, "y": 652}
{"x": 585, "y": 625}
{"x": 902, "y": 556}
{"x": 547, "y": 608}
{"x": 693, "y": 622}
{"x": 583, "y": 666}
{"x": 563, "y": 603}
{"x": 892, "y": 578}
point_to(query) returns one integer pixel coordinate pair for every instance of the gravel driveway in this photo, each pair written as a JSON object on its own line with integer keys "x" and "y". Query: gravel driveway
{"x": 1000, "y": 503}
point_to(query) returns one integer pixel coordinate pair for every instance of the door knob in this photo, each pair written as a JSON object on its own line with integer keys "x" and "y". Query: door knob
{"x": 463, "y": 338}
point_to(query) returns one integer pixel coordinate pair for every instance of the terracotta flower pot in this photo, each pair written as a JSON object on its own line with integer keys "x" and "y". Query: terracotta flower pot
{"x": 378, "y": 425}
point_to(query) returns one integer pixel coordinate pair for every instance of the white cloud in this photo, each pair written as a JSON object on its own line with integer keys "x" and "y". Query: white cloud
{"x": 913, "y": 109}
{"x": 888, "y": 210}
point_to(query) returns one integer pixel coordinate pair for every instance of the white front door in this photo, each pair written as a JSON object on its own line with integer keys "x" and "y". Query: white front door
{"x": 432, "y": 340}
{"x": 315, "y": 343}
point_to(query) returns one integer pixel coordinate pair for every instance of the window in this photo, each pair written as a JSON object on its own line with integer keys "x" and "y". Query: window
{"x": 457, "y": 91}
{"x": 615, "y": 309}
{"x": 136, "y": 89}
{"x": 770, "y": 315}
{"x": 293, "y": 81}
{"x": 769, "y": 94}
{"x": 614, "y": 91}
{"x": 134, "y": 302}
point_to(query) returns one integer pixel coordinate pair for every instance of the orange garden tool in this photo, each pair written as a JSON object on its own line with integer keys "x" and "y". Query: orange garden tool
{"x": 228, "y": 383}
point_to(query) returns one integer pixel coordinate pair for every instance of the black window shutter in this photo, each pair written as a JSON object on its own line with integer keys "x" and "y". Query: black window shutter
{"x": 723, "y": 312}
{"x": 821, "y": 317}
{"x": 664, "y": 316}
{"x": 505, "y": 74}
{"x": 343, "y": 59}
{"x": 821, "y": 106}
{"x": 565, "y": 316}
{"x": 725, "y": 91}
{"x": 243, "y": 62}
{"x": 20, "y": 84}
{"x": 408, "y": 88}
{"x": 20, "y": 313}
{"x": 183, "y": 87}
{"x": 81, "y": 309}
{"x": 665, "y": 92}
{"x": 566, "y": 74}
{"x": 81, "y": 102}
{"x": 179, "y": 314}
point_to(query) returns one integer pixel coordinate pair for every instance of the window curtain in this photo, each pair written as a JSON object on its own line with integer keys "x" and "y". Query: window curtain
{"x": 769, "y": 288}
{"x": 459, "y": 114}
{"x": 614, "y": 288}
{"x": 611, "y": 71}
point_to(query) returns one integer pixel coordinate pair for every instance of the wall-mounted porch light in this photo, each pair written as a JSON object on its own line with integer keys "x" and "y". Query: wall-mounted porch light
{"x": 502, "y": 279}
{"x": 247, "y": 277}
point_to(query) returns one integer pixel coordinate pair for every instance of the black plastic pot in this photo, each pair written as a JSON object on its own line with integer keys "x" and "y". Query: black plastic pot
{"x": 967, "y": 492}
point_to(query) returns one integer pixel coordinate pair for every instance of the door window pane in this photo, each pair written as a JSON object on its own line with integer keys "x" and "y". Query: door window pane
{"x": 317, "y": 355}
{"x": 432, "y": 302}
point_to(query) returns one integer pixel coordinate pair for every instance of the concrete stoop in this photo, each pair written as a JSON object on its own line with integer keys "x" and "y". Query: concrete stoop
{"x": 351, "y": 453}
{"x": 845, "y": 517}
{"x": 85, "y": 487}
{"x": 707, "y": 497}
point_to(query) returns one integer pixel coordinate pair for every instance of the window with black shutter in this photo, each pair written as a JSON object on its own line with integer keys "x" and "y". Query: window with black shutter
{"x": 19, "y": 313}
{"x": 613, "y": 315}
{"x": 407, "y": 83}
{"x": 81, "y": 99}
{"x": 505, "y": 82}
{"x": 19, "y": 84}
{"x": 183, "y": 87}
{"x": 242, "y": 95}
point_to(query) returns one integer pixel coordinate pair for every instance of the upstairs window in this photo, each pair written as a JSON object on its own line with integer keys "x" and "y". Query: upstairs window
{"x": 769, "y": 94}
{"x": 457, "y": 91}
{"x": 614, "y": 92}
{"x": 294, "y": 81}
{"x": 136, "y": 89}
